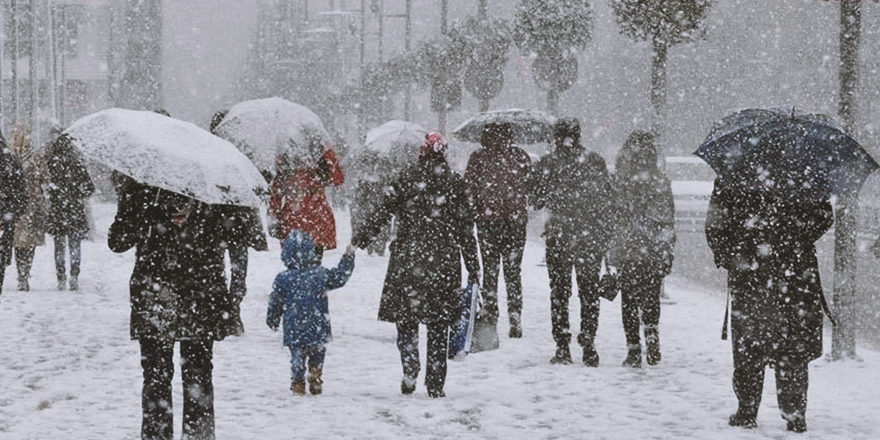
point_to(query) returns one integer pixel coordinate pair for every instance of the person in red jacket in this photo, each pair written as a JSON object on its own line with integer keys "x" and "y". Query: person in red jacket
{"x": 497, "y": 177}
{"x": 299, "y": 199}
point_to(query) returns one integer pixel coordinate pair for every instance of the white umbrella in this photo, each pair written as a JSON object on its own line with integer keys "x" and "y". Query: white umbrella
{"x": 170, "y": 154}
{"x": 262, "y": 128}
{"x": 529, "y": 126}
{"x": 396, "y": 137}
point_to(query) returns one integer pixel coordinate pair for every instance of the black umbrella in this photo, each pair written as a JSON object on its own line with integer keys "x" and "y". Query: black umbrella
{"x": 529, "y": 126}
{"x": 797, "y": 155}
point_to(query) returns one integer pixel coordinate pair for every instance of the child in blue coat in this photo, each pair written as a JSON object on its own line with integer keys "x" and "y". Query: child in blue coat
{"x": 300, "y": 294}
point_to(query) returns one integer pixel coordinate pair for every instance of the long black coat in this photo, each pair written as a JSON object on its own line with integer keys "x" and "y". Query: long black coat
{"x": 435, "y": 230}
{"x": 70, "y": 187}
{"x": 178, "y": 286}
{"x": 768, "y": 247}
{"x": 12, "y": 200}
{"x": 574, "y": 186}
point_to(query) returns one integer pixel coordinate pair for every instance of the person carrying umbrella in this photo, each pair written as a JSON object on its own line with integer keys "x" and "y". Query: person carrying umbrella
{"x": 497, "y": 177}
{"x": 435, "y": 231}
{"x": 299, "y": 196}
{"x": 574, "y": 186}
{"x": 12, "y": 200}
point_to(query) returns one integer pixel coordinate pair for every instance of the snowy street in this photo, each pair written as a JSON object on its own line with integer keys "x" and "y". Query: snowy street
{"x": 68, "y": 369}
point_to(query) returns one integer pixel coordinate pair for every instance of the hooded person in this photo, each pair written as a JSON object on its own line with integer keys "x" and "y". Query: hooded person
{"x": 497, "y": 177}
{"x": 574, "y": 186}
{"x": 435, "y": 232}
{"x": 13, "y": 196}
{"x": 299, "y": 294}
{"x": 644, "y": 243}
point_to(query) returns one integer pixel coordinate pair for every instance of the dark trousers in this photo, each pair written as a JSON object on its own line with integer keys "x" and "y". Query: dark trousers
{"x": 312, "y": 355}
{"x": 196, "y": 369}
{"x": 561, "y": 259}
{"x": 238, "y": 266}
{"x": 24, "y": 260}
{"x": 74, "y": 241}
{"x": 639, "y": 298}
{"x": 792, "y": 381}
{"x": 408, "y": 344}
{"x": 501, "y": 244}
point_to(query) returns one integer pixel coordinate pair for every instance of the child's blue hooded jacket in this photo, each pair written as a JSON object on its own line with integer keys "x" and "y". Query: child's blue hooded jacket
{"x": 300, "y": 292}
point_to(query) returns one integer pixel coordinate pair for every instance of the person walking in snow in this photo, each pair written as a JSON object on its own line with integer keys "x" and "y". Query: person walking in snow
{"x": 300, "y": 295}
{"x": 30, "y": 230}
{"x": 435, "y": 231}
{"x": 178, "y": 294}
{"x": 574, "y": 186}
{"x": 644, "y": 243}
{"x": 767, "y": 245}
{"x": 299, "y": 194}
{"x": 13, "y": 197}
{"x": 497, "y": 176}
{"x": 69, "y": 189}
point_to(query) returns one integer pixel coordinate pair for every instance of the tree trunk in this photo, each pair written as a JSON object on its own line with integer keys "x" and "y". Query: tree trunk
{"x": 552, "y": 101}
{"x": 658, "y": 92}
{"x": 843, "y": 340}
{"x": 484, "y": 105}
{"x": 142, "y": 80}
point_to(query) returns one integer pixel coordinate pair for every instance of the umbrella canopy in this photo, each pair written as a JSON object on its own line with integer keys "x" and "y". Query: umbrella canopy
{"x": 529, "y": 126}
{"x": 796, "y": 154}
{"x": 396, "y": 137}
{"x": 263, "y": 128}
{"x": 170, "y": 154}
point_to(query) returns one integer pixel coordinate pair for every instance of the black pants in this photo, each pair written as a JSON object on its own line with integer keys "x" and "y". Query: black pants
{"x": 792, "y": 381}
{"x": 408, "y": 344}
{"x": 198, "y": 390}
{"x": 501, "y": 244}
{"x": 639, "y": 298}
{"x": 24, "y": 260}
{"x": 561, "y": 259}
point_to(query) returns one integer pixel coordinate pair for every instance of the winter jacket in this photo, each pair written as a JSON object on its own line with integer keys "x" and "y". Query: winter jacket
{"x": 575, "y": 187}
{"x": 498, "y": 180}
{"x": 645, "y": 222}
{"x": 178, "y": 286}
{"x": 300, "y": 292}
{"x": 434, "y": 231}
{"x": 69, "y": 188}
{"x": 299, "y": 200}
{"x": 12, "y": 200}
{"x": 30, "y": 230}
{"x": 768, "y": 247}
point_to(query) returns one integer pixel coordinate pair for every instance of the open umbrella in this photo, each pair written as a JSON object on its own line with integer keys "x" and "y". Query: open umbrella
{"x": 396, "y": 138}
{"x": 263, "y": 128}
{"x": 529, "y": 126}
{"x": 799, "y": 155}
{"x": 170, "y": 154}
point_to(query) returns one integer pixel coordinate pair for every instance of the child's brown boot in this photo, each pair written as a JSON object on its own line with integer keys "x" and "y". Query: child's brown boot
{"x": 298, "y": 388}
{"x": 315, "y": 381}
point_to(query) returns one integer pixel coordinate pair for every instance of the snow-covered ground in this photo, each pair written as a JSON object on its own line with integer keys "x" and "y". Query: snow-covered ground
{"x": 68, "y": 369}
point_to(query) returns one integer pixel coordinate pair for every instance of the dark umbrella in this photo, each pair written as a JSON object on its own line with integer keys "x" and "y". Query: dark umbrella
{"x": 798, "y": 155}
{"x": 529, "y": 126}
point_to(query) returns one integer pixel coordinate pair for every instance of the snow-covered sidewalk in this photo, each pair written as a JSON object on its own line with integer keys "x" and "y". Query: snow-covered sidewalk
{"x": 68, "y": 369}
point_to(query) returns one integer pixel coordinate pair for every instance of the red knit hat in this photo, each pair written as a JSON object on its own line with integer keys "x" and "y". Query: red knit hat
{"x": 435, "y": 144}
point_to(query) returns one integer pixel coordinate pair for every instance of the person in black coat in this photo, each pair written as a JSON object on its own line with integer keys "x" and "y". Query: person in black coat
{"x": 13, "y": 196}
{"x": 70, "y": 187}
{"x": 178, "y": 294}
{"x": 435, "y": 230}
{"x": 767, "y": 245}
{"x": 246, "y": 230}
{"x": 575, "y": 187}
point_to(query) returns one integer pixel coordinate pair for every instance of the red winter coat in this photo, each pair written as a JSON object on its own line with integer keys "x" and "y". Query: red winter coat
{"x": 299, "y": 200}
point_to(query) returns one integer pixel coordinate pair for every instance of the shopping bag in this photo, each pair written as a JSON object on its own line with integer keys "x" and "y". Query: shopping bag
{"x": 462, "y": 330}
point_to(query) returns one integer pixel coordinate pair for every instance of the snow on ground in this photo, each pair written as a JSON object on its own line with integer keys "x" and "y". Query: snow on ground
{"x": 68, "y": 369}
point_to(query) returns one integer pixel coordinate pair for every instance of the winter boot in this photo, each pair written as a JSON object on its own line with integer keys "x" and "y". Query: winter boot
{"x": 315, "y": 381}
{"x": 563, "y": 355}
{"x": 742, "y": 420}
{"x": 298, "y": 388}
{"x": 591, "y": 358}
{"x": 797, "y": 425}
{"x": 652, "y": 341}
{"x": 435, "y": 394}
{"x": 74, "y": 282}
{"x": 515, "y": 325}
{"x": 23, "y": 285}
{"x": 633, "y": 357}
{"x": 408, "y": 385}
{"x": 62, "y": 282}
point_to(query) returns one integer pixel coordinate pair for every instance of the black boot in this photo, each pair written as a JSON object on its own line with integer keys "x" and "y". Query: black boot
{"x": 515, "y": 325}
{"x": 407, "y": 385}
{"x": 742, "y": 420}
{"x": 591, "y": 358}
{"x": 652, "y": 341}
{"x": 633, "y": 357}
{"x": 563, "y": 355}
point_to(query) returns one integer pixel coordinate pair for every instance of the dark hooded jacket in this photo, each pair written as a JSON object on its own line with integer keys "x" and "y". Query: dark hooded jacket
{"x": 12, "y": 200}
{"x": 574, "y": 186}
{"x": 497, "y": 177}
{"x": 300, "y": 292}
{"x": 435, "y": 230}
{"x": 768, "y": 247}
{"x": 70, "y": 187}
{"x": 178, "y": 286}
